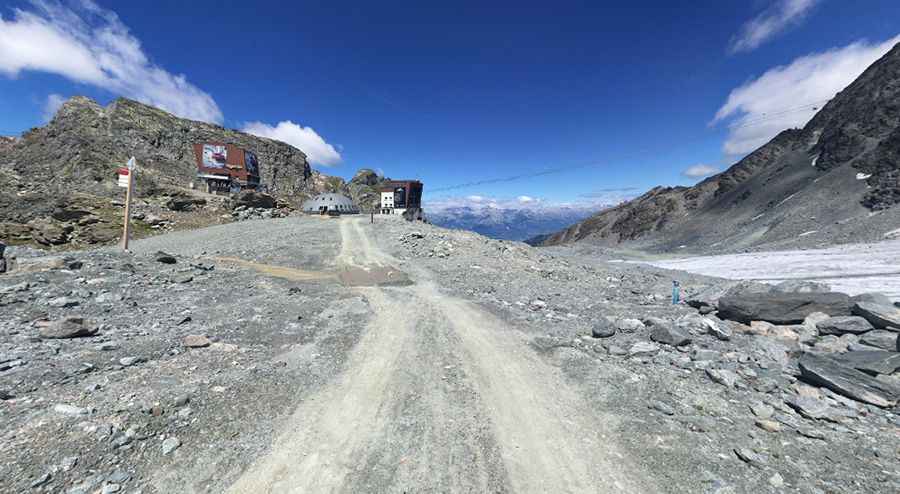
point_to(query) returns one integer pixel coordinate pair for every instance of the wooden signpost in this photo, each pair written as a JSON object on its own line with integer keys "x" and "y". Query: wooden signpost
{"x": 126, "y": 179}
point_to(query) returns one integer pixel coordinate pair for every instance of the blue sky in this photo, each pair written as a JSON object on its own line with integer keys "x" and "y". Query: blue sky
{"x": 629, "y": 94}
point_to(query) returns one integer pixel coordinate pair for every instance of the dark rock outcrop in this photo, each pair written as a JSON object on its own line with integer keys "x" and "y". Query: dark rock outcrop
{"x": 871, "y": 361}
{"x": 843, "y": 325}
{"x": 854, "y": 384}
{"x": 881, "y": 316}
{"x": 782, "y": 308}
{"x": 252, "y": 199}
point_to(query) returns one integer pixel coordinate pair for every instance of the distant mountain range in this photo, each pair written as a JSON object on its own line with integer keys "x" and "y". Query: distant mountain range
{"x": 510, "y": 222}
{"x": 837, "y": 180}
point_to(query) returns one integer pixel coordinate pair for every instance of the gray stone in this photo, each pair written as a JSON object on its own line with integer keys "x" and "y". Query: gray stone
{"x": 881, "y": 316}
{"x": 43, "y": 479}
{"x": 782, "y": 308}
{"x": 662, "y": 408}
{"x": 748, "y": 456}
{"x": 723, "y": 376}
{"x": 643, "y": 349}
{"x": 875, "y": 298}
{"x": 170, "y": 445}
{"x": 629, "y": 325}
{"x": 68, "y": 327}
{"x": 705, "y": 355}
{"x": 872, "y": 362}
{"x": 69, "y": 410}
{"x": 196, "y": 341}
{"x": 842, "y": 325}
{"x": 129, "y": 361}
{"x": 119, "y": 477}
{"x": 63, "y": 303}
{"x": 879, "y": 338}
{"x": 768, "y": 425}
{"x": 604, "y": 328}
{"x": 165, "y": 258}
{"x": 761, "y": 410}
{"x": 669, "y": 335}
{"x": 833, "y": 344}
{"x": 717, "y": 328}
{"x": 811, "y": 408}
{"x": 776, "y": 480}
{"x": 846, "y": 381}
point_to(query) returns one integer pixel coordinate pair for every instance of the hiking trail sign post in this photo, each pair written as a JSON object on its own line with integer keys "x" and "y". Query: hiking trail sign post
{"x": 126, "y": 179}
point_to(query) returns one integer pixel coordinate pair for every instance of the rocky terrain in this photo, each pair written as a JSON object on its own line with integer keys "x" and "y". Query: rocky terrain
{"x": 233, "y": 356}
{"x": 58, "y": 183}
{"x": 835, "y": 181}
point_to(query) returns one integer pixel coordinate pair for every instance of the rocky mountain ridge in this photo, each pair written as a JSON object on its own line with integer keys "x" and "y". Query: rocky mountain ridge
{"x": 836, "y": 180}
{"x": 58, "y": 187}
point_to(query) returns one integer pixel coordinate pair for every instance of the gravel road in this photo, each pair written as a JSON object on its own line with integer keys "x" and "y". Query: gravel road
{"x": 410, "y": 411}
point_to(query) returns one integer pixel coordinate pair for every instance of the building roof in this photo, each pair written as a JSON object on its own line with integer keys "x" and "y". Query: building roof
{"x": 334, "y": 202}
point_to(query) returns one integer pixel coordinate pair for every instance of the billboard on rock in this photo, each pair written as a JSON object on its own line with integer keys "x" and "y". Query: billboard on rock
{"x": 214, "y": 156}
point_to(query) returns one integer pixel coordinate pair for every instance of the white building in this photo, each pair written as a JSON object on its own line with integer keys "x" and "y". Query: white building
{"x": 387, "y": 202}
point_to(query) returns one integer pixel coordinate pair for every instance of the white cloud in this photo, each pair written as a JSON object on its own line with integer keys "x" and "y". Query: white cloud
{"x": 90, "y": 45}
{"x": 698, "y": 171}
{"x": 778, "y": 17}
{"x": 788, "y": 96}
{"x": 305, "y": 139}
{"x": 475, "y": 198}
{"x": 51, "y": 106}
{"x": 525, "y": 199}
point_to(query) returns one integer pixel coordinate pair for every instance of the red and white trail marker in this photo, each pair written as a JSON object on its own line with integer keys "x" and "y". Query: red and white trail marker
{"x": 126, "y": 179}
{"x": 123, "y": 177}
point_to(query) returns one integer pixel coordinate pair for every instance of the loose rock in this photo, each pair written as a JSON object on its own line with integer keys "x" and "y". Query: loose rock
{"x": 68, "y": 327}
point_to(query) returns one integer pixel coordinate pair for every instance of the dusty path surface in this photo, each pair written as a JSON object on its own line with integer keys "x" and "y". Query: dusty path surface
{"x": 439, "y": 396}
{"x": 853, "y": 268}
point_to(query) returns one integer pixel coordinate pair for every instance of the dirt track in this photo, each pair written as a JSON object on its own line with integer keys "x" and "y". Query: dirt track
{"x": 439, "y": 396}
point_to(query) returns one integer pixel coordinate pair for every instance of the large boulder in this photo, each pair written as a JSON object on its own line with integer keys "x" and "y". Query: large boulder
{"x": 843, "y": 325}
{"x": 875, "y": 298}
{"x": 68, "y": 327}
{"x": 253, "y": 199}
{"x": 782, "y": 308}
{"x": 49, "y": 232}
{"x": 882, "y": 316}
{"x": 183, "y": 202}
{"x": 879, "y": 338}
{"x": 872, "y": 361}
{"x": 847, "y": 381}
{"x": 669, "y": 335}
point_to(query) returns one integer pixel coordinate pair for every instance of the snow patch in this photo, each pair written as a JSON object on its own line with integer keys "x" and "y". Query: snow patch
{"x": 760, "y": 215}
{"x": 863, "y": 176}
{"x": 893, "y": 234}
{"x": 786, "y": 199}
{"x": 807, "y": 233}
{"x": 815, "y": 160}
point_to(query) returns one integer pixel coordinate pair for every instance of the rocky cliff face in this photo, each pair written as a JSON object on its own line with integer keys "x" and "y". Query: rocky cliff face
{"x": 836, "y": 180}
{"x": 59, "y": 179}
{"x": 364, "y": 189}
